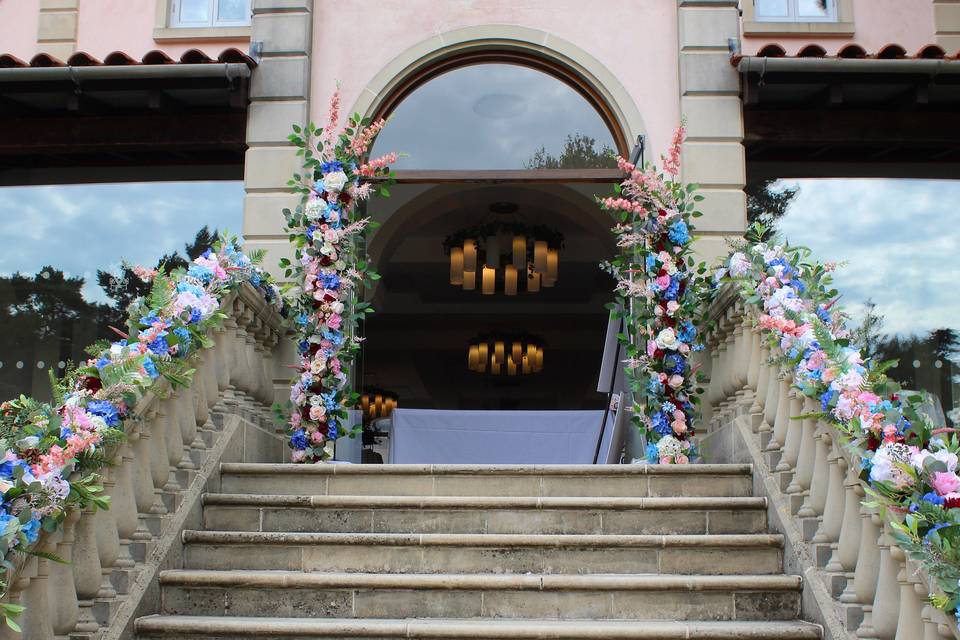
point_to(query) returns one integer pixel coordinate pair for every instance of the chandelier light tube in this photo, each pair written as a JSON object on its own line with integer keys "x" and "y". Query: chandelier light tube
{"x": 540, "y": 256}
{"x": 519, "y": 252}
{"x": 553, "y": 266}
{"x": 510, "y": 280}
{"x": 489, "y": 280}
{"x": 469, "y": 280}
{"x": 533, "y": 281}
{"x": 469, "y": 255}
{"x": 456, "y": 265}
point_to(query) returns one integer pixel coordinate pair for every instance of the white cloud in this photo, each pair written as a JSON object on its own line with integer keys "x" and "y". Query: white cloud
{"x": 83, "y": 228}
{"x": 901, "y": 239}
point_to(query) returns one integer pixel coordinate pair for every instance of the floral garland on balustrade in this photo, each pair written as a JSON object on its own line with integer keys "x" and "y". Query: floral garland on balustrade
{"x": 909, "y": 465}
{"x": 53, "y": 452}
{"x": 327, "y": 230}
{"x": 659, "y": 293}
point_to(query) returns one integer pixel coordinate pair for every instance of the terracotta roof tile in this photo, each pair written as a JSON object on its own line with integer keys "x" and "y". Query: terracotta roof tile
{"x": 119, "y": 58}
{"x": 891, "y": 51}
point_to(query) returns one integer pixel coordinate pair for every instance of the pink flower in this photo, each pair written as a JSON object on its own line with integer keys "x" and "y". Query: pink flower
{"x": 675, "y": 381}
{"x": 316, "y": 413}
{"x": 334, "y": 321}
{"x": 944, "y": 482}
{"x": 298, "y": 456}
{"x": 682, "y": 459}
{"x": 295, "y": 420}
{"x": 663, "y": 281}
{"x": 651, "y": 348}
{"x": 316, "y": 437}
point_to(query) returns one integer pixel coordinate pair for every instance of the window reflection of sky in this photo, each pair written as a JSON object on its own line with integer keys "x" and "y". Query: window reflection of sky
{"x": 82, "y": 228}
{"x": 901, "y": 239}
{"x": 489, "y": 116}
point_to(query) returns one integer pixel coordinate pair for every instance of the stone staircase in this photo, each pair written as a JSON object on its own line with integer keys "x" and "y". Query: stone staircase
{"x": 444, "y": 552}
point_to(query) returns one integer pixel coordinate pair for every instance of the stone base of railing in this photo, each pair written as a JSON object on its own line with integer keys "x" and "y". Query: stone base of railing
{"x": 842, "y": 549}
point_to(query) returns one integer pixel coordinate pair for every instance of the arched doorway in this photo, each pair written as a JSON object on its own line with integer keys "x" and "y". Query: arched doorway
{"x": 498, "y": 140}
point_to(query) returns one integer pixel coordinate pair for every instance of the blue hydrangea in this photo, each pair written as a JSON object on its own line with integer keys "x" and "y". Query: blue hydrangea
{"x": 329, "y": 281}
{"x": 6, "y": 469}
{"x": 105, "y": 410}
{"x": 5, "y": 520}
{"x": 687, "y": 332}
{"x": 195, "y": 316}
{"x": 159, "y": 346}
{"x": 333, "y": 432}
{"x": 660, "y": 424}
{"x": 653, "y": 454}
{"x": 668, "y": 408}
{"x": 303, "y": 346}
{"x": 654, "y": 385}
{"x": 102, "y": 362}
{"x": 933, "y": 498}
{"x": 826, "y": 399}
{"x": 31, "y": 530}
{"x": 150, "y": 368}
{"x": 651, "y": 262}
{"x": 679, "y": 233}
{"x": 330, "y": 167}
{"x": 200, "y": 272}
{"x": 299, "y": 439}
{"x": 186, "y": 340}
{"x": 672, "y": 290}
{"x": 674, "y": 363}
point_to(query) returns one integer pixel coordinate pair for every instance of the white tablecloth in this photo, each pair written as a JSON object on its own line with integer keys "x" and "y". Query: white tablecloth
{"x": 425, "y": 436}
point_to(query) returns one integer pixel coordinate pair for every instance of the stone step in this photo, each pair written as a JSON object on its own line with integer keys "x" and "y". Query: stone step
{"x": 484, "y": 553}
{"x": 465, "y": 514}
{"x": 234, "y": 628}
{"x": 639, "y": 480}
{"x": 367, "y": 595}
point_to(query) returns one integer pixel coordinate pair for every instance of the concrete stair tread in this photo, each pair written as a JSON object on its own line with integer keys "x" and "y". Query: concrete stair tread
{"x": 484, "y": 502}
{"x": 484, "y": 469}
{"x": 526, "y": 582}
{"x": 237, "y": 627}
{"x": 484, "y": 539}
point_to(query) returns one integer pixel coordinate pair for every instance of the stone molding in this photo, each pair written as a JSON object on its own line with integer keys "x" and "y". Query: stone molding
{"x": 542, "y": 43}
{"x": 57, "y": 27}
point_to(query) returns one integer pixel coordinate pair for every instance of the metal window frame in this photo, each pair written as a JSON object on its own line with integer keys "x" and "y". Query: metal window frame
{"x": 792, "y": 17}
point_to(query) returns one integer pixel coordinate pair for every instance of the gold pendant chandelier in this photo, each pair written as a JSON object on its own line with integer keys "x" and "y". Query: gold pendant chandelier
{"x": 505, "y": 354}
{"x": 505, "y": 257}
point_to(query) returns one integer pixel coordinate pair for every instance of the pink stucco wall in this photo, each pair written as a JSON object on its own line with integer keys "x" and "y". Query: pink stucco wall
{"x": 636, "y": 41}
{"x": 127, "y": 25}
{"x": 18, "y": 27}
{"x": 877, "y": 23}
{"x": 103, "y": 26}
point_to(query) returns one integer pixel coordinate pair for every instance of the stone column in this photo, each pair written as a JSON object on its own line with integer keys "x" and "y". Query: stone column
{"x": 946, "y": 23}
{"x": 57, "y": 28}
{"x": 279, "y": 98}
{"x": 713, "y": 155}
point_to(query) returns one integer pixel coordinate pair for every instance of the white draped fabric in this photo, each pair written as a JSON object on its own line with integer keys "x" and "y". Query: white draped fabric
{"x": 425, "y": 436}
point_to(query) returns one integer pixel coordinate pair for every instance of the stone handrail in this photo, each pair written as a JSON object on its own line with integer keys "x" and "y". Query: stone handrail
{"x": 175, "y": 442}
{"x": 859, "y": 582}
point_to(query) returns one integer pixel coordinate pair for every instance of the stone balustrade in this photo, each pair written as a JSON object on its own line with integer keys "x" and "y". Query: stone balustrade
{"x": 175, "y": 443}
{"x": 859, "y": 582}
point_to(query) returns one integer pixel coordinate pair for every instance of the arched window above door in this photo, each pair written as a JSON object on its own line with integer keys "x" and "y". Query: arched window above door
{"x": 497, "y": 115}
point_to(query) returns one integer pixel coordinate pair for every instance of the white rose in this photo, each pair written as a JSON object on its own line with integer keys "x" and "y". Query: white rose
{"x": 334, "y": 181}
{"x": 337, "y": 307}
{"x": 313, "y": 209}
{"x": 667, "y": 339}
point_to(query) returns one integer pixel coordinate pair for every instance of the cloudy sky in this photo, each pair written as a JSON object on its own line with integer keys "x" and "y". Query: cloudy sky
{"x": 455, "y": 122}
{"x": 82, "y": 228}
{"x": 900, "y": 237}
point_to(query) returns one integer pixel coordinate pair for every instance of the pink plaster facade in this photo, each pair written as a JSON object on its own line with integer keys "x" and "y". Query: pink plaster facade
{"x": 877, "y": 23}
{"x": 642, "y": 57}
{"x": 103, "y": 26}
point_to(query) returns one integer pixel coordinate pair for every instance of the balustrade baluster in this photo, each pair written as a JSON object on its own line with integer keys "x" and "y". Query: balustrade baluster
{"x": 909, "y": 623}
{"x": 86, "y": 570}
{"x": 829, "y": 531}
{"x": 108, "y": 539}
{"x": 791, "y": 449}
{"x": 782, "y": 420}
{"x": 817, "y": 497}
{"x": 37, "y": 619}
{"x": 882, "y": 622}
{"x": 63, "y": 593}
{"x": 756, "y": 373}
{"x": 159, "y": 460}
{"x": 805, "y": 460}
{"x": 124, "y": 507}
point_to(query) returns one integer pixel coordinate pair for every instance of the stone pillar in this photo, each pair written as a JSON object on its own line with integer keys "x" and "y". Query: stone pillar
{"x": 713, "y": 155}
{"x": 946, "y": 23}
{"x": 279, "y": 98}
{"x": 57, "y": 28}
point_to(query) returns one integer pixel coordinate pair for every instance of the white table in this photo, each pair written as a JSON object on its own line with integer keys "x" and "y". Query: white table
{"x": 427, "y": 436}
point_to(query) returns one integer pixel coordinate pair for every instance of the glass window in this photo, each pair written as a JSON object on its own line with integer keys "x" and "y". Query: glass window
{"x": 209, "y": 13}
{"x": 901, "y": 241}
{"x": 773, "y": 8}
{"x": 796, "y": 10}
{"x": 66, "y": 267}
{"x": 497, "y": 116}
